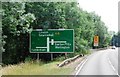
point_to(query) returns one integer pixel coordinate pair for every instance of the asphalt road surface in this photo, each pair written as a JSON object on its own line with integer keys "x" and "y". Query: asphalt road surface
{"x": 104, "y": 62}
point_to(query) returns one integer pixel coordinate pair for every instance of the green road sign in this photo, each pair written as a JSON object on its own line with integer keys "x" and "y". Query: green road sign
{"x": 52, "y": 41}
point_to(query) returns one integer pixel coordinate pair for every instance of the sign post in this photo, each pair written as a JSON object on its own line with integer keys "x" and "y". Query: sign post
{"x": 52, "y": 41}
{"x": 65, "y": 55}
{"x": 38, "y": 57}
{"x": 51, "y": 56}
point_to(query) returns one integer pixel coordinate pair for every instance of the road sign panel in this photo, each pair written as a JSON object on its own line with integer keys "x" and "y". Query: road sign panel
{"x": 52, "y": 41}
{"x": 96, "y": 40}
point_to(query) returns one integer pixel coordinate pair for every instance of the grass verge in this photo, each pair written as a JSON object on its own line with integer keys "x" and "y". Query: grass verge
{"x": 36, "y": 69}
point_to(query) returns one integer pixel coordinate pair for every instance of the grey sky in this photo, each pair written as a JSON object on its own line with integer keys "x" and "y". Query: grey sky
{"x": 107, "y": 9}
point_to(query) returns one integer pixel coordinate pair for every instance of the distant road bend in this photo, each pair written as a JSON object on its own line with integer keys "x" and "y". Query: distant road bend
{"x": 104, "y": 62}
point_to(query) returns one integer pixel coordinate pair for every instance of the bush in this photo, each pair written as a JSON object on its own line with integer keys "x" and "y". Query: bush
{"x": 28, "y": 59}
{"x": 61, "y": 58}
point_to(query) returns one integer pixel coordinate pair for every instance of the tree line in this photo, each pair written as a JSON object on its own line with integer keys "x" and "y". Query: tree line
{"x": 20, "y": 18}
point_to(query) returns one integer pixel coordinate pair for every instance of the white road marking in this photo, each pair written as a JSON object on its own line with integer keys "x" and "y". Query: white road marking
{"x": 113, "y": 67}
{"x": 81, "y": 66}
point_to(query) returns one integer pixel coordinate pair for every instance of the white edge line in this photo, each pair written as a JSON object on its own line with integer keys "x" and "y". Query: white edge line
{"x": 82, "y": 64}
{"x": 79, "y": 64}
{"x": 113, "y": 67}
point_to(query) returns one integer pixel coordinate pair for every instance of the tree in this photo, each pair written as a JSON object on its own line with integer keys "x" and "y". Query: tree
{"x": 16, "y": 25}
{"x": 48, "y": 15}
{"x": 101, "y": 30}
{"x": 1, "y": 38}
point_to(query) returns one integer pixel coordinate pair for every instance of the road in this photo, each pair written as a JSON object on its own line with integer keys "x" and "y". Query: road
{"x": 104, "y": 62}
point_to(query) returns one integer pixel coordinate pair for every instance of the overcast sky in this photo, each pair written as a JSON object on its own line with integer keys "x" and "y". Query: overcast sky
{"x": 107, "y": 9}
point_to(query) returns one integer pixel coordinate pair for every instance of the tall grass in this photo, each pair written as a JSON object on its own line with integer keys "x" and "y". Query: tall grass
{"x": 29, "y": 68}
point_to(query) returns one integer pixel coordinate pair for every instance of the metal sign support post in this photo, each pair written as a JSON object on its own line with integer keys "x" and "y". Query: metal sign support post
{"x": 51, "y": 56}
{"x": 65, "y": 55}
{"x": 38, "y": 57}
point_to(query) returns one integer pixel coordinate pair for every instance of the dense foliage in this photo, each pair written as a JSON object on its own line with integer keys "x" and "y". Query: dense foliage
{"x": 20, "y": 18}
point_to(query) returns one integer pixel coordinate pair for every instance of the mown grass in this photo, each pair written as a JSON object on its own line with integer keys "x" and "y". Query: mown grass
{"x": 36, "y": 69}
